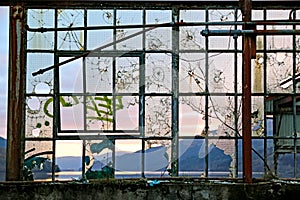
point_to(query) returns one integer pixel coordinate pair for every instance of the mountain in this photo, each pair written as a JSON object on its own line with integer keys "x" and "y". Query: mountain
{"x": 2, "y": 158}
{"x": 2, "y": 142}
{"x": 191, "y": 158}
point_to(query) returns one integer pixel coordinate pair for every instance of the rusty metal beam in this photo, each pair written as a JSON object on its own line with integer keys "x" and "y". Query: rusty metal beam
{"x": 246, "y": 108}
{"x": 16, "y": 95}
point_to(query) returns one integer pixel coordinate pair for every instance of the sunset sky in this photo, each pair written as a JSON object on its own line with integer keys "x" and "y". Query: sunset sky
{"x": 4, "y": 12}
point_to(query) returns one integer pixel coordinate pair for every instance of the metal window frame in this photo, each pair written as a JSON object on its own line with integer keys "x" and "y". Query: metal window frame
{"x": 176, "y": 94}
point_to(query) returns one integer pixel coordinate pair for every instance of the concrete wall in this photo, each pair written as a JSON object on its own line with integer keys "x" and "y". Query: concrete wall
{"x": 140, "y": 190}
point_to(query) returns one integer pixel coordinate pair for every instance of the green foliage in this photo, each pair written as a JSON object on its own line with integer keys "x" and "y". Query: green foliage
{"x": 106, "y": 172}
{"x": 30, "y": 164}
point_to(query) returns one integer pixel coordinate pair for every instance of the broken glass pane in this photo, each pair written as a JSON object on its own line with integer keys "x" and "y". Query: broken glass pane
{"x": 73, "y": 83}
{"x": 127, "y": 75}
{"x": 37, "y": 147}
{"x": 189, "y": 36}
{"x": 38, "y": 160}
{"x": 70, "y": 40}
{"x": 68, "y": 18}
{"x": 100, "y": 17}
{"x": 221, "y": 157}
{"x": 158, "y": 73}
{"x": 257, "y": 116}
{"x": 159, "y": 38}
{"x": 191, "y": 72}
{"x": 191, "y": 115}
{"x": 133, "y": 43}
{"x": 221, "y": 72}
{"x": 221, "y": 116}
{"x": 127, "y": 113}
{"x": 99, "y": 159}
{"x": 222, "y": 42}
{"x": 157, "y": 158}
{"x": 158, "y": 116}
{"x": 99, "y": 112}
{"x": 43, "y": 83}
{"x": 99, "y": 74}
{"x": 38, "y": 18}
{"x": 279, "y": 71}
{"x": 71, "y": 113}
{"x": 39, "y": 116}
{"x": 221, "y": 15}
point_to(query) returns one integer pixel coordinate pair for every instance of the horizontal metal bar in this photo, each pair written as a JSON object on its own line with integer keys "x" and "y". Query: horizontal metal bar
{"x": 137, "y": 137}
{"x": 236, "y": 33}
{"x": 170, "y": 24}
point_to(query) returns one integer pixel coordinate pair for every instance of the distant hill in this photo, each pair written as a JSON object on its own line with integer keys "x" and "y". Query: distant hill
{"x": 2, "y": 142}
{"x": 191, "y": 158}
{"x": 2, "y": 158}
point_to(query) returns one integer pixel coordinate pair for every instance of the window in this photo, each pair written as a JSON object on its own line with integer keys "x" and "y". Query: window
{"x": 140, "y": 93}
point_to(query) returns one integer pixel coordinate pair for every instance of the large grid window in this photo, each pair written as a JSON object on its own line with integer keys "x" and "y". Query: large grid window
{"x": 148, "y": 96}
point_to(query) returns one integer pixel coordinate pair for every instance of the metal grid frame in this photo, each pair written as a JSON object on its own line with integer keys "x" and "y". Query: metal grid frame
{"x": 176, "y": 94}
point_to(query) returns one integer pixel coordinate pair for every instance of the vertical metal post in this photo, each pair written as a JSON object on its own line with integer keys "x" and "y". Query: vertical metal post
{"x": 175, "y": 88}
{"x": 16, "y": 96}
{"x": 206, "y": 128}
{"x": 247, "y": 53}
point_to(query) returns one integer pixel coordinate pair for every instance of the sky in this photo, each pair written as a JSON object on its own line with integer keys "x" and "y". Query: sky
{"x": 4, "y": 38}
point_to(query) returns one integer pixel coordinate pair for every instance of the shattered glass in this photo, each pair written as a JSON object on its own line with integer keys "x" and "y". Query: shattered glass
{"x": 42, "y": 84}
{"x": 192, "y": 72}
{"x": 114, "y": 90}
{"x": 221, "y": 116}
{"x": 39, "y": 116}
{"x": 158, "y": 116}
{"x": 99, "y": 74}
{"x": 127, "y": 75}
{"x": 38, "y": 18}
{"x": 158, "y": 73}
{"x": 70, "y": 40}
{"x": 279, "y": 72}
